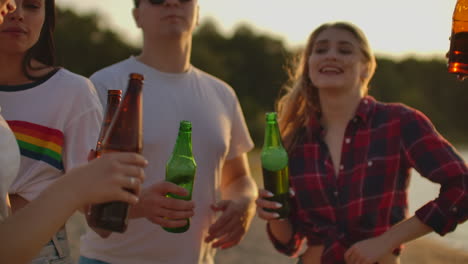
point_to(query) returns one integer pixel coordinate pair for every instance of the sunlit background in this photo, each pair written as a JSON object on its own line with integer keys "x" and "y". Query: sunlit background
{"x": 396, "y": 28}
{"x": 410, "y": 38}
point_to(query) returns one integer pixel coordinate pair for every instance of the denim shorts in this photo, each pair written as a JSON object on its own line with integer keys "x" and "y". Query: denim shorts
{"x": 85, "y": 260}
{"x": 56, "y": 251}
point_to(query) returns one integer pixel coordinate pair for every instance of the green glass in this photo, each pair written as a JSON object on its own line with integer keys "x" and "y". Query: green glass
{"x": 274, "y": 158}
{"x": 181, "y": 168}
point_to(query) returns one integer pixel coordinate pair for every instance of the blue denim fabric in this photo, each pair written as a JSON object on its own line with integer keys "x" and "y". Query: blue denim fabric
{"x": 85, "y": 260}
{"x": 53, "y": 253}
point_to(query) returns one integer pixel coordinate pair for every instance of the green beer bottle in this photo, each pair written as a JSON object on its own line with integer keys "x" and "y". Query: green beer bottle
{"x": 275, "y": 168}
{"x": 181, "y": 168}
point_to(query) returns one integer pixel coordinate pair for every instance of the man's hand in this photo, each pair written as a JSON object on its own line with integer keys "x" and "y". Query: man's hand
{"x": 233, "y": 223}
{"x": 162, "y": 210}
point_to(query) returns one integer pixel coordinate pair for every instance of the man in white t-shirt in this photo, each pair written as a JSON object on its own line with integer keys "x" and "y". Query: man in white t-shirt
{"x": 224, "y": 192}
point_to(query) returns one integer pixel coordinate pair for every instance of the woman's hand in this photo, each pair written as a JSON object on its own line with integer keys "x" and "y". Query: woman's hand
{"x": 263, "y": 203}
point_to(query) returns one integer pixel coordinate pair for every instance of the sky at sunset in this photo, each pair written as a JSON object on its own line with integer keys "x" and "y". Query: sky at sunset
{"x": 395, "y": 28}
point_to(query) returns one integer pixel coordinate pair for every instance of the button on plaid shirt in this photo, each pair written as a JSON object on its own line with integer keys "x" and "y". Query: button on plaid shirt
{"x": 369, "y": 195}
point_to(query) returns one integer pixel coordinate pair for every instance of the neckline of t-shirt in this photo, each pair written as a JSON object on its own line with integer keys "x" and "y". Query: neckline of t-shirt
{"x": 168, "y": 75}
{"x": 27, "y": 86}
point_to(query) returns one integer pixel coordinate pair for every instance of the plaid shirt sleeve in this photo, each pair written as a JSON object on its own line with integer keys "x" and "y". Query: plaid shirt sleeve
{"x": 291, "y": 248}
{"x": 437, "y": 160}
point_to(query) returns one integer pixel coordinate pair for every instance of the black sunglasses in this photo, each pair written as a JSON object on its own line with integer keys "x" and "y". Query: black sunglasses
{"x": 160, "y": 2}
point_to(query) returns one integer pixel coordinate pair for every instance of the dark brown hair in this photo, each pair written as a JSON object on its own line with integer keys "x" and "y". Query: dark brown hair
{"x": 44, "y": 49}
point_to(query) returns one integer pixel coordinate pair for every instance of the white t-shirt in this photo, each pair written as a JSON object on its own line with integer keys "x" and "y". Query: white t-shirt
{"x": 56, "y": 122}
{"x": 9, "y": 164}
{"x": 219, "y": 133}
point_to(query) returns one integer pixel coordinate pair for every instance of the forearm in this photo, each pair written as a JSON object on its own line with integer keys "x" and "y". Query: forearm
{"x": 242, "y": 192}
{"x": 243, "y": 187}
{"x": 405, "y": 231}
{"x": 281, "y": 230}
{"x": 29, "y": 229}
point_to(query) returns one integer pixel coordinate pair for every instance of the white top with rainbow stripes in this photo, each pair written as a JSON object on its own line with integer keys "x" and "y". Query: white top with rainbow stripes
{"x": 56, "y": 122}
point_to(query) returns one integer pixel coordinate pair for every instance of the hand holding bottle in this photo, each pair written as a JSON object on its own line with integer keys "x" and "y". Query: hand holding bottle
{"x": 105, "y": 179}
{"x": 165, "y": 211}
{"x": 116, "y": 158}
{"x": 265, "y": 207}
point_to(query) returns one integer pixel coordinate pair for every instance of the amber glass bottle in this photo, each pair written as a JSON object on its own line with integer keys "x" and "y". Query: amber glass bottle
{"x": 113, "y": 101}
{"x": 458, "y": 53}
{"x": 125, "y": 134}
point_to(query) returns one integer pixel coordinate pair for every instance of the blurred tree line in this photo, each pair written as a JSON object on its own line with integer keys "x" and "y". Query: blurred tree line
{"x": 254, "y": 65}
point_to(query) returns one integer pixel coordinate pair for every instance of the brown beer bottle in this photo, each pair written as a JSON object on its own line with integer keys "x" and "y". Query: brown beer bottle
{"x": 113, "y": 101}
{"x": 125, "y": 134}
{"x": 458, "y": 53}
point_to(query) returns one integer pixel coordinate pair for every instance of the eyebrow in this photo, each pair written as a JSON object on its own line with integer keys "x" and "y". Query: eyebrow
{"x": 341, "y": 42}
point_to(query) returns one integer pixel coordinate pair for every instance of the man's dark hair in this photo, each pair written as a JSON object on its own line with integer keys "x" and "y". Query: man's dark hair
{"x": 136, "y": 2}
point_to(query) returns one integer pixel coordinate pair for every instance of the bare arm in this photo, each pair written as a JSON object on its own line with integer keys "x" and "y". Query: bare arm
{"x": 237, "y": 183}
{"x": 371, "y": 250}
{"x": 239, "y": 192}
{"x": 99, "y": 181}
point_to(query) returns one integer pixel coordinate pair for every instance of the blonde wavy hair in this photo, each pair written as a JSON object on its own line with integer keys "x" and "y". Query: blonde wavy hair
{"x": 300, "y": 100}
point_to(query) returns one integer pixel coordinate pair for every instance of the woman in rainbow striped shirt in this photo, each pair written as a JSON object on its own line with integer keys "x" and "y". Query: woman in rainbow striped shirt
{"x": 55, "y": 116}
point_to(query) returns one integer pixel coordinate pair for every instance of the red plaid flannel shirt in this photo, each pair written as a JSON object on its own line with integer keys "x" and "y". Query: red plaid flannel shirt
{"x": 381, "y": 144}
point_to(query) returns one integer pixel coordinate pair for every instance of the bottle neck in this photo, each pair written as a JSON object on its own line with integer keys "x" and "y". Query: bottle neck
{"x": 183, "y": 146}
{"x": 133, "y": 94}
{"x": 272, "y": 135}
{"x": 113, "y": 102}
{"x": 125, "y": 132}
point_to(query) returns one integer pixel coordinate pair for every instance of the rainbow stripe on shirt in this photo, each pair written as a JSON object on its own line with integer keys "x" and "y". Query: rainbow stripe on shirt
{"x": 39, "y": 142}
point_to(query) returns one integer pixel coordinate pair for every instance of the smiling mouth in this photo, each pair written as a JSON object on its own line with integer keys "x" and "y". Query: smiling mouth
{"x": 330, "y": 70}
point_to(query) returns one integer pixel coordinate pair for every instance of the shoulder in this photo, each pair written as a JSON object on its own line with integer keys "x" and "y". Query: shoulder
{"x": 114, "y": 76}
{"x": 218, "y": 86}
{"x": 400, "y": 111}
{"x": 70, "y": 82}
{"x": 111, "y": 71}
{"x": 64, "y": 75}
{"x": 76, "y": 86}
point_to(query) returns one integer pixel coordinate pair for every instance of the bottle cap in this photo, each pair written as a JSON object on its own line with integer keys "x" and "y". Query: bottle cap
{"x": 185, "y": 125}
{"x": 114, "y": 92}
{"x": 271, "y": 116}
{"x": 137, "y": 76}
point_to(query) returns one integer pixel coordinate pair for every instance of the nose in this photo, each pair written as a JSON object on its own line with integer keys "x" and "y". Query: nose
{"x": 11, "y": 6}
{"x": 17, "y": 14}
{"x": 331, "y": 54}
